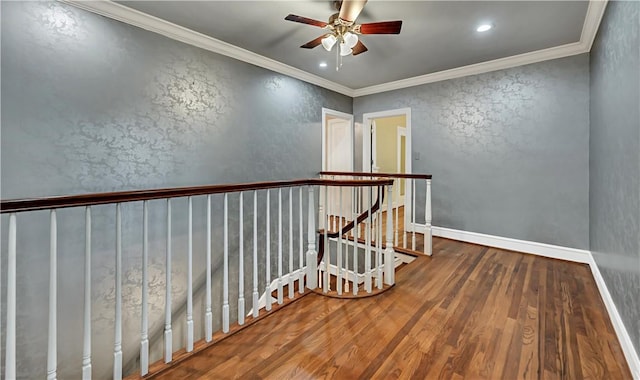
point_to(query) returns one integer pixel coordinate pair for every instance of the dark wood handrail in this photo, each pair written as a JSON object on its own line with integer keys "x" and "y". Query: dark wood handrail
{"x": 20, "y": 205}
{"x": 379, "y": 175}
{"x": 348, "y": 227}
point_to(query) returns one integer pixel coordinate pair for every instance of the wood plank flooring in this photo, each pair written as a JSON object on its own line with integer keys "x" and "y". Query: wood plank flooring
{"x": 466, "y": 312}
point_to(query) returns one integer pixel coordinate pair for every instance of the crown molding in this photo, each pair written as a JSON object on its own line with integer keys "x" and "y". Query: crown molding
{"x": 154, "y": 24}
{"x": 592, "y": 20}
{"x": 130, "y": 16}
{"x": 595, "y": 11}
{"x": 478, "y": 68}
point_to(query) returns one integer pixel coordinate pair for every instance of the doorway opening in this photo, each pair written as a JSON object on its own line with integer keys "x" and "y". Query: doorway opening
{"x": 386, "y": 148}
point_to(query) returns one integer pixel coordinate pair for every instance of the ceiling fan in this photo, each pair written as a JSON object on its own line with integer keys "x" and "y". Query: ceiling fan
{"x": 343, "y": 31}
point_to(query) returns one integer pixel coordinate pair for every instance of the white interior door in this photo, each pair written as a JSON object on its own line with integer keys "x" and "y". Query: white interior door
{"x": 339, "y": 146}
{"x": 337, "y": 155}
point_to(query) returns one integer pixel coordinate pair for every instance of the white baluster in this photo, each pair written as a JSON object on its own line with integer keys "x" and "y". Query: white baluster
{"x": 396, "y": 226}
{"x": 86, "y": 348}
{"x": 301, "y": 244}
{"x": 389, "y": 253}
{"x": 168, "y": 334}
{"x": 208, "y": 314}
{"x": 10, "y": 340}
{"x": 267, "y": 290}
{"x": 427, "y": 220}
{"x": 144, "y": 339}
{"x": 225, "y": 275}
{"x": 241, "y": 261}
{"x": 407, "y": 208}
{"x": 280, "y": 291}
{"x": 326, "y": 256}
{"x": 413, "y": 215}
{"x": 322, "y": 209}
{"x": 117, "y": 347}
{"x": 356, "y": 236}
{"x": 52, "y": 352}
{"x": 379, "y": 240}
{"x": 291, "y": 288}
{"x": 312, "y": 255}
{"x": 346, "y": 255}
{"x": 367, "y": 257}
{"x": 255, "y": 294}
{"x": 1, "y": 302}
{"x": 339, "y": 254}
{"x": 189, "y": 347}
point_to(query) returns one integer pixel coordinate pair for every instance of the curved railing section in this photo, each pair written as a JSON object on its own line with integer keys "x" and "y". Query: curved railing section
{"x": 362, "y": 232}
{"x": 411, "y": 196}
{"x": 240, "y": 234}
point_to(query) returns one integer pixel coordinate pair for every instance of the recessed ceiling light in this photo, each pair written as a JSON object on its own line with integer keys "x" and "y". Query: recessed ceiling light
{"x": 323, "y": 64}
{"x": 484, "y": 27}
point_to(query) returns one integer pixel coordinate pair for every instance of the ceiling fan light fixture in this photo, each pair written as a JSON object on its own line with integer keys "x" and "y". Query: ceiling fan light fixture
{"x": 350, "y": 39}
{"x": 328, "y": 42}
{"x": 345, "y": 49}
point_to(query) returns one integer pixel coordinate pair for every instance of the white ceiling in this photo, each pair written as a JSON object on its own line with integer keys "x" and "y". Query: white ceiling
{"x": 436, "y": 35}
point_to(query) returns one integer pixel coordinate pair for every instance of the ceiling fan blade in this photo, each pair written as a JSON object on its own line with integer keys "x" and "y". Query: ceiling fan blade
{"x": 313, "y": 43}
{"x": 306, "y": 20}
{"x": 359, "y": 48}
{"x": 384, "y": 27}
{"x": 350, "y": 9}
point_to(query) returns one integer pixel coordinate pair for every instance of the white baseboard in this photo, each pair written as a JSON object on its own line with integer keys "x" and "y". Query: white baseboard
{"x": 532, "y": 247}
{"x": 556, "y": 252}
{"x": 623, "y": 336}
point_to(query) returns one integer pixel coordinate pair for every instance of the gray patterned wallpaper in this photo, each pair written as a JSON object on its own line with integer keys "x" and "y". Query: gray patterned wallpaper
{"x": 508, "y": 149}
{"x": 615, "y": 158}
{"x": 90, "y": 104}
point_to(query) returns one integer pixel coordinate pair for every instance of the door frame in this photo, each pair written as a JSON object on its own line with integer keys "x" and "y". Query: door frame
{"x": 400, "y": 133}
{"x": 367, "y": 120}
{"x": 342, "y": 115}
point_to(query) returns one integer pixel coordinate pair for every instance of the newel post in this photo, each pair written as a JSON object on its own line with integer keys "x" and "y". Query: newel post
{"x": 389, "y": 253}
{"x": 427, "y": 220}
{"x": 312, "y": 255}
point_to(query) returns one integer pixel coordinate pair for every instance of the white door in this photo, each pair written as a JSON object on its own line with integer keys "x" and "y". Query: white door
{"x": 339, "y": 146}
{"x": 337, "y": 156}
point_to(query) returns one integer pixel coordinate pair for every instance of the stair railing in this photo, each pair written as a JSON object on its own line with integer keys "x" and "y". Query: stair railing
{"x": 407, "y": 188}
{"x": 292, "y": 267}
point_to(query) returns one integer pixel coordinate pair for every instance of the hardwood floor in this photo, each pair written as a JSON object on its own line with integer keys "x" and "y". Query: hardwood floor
{"x": 466, "y": 312}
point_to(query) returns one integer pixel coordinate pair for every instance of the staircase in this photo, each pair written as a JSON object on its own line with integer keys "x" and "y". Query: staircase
{"x": 208, "y": 261}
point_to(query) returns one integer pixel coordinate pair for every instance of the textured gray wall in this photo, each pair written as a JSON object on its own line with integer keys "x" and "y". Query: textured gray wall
{"x": 90, "y": 104}
{"x": 508, "y": 150}
{"x": 615, "y": 159}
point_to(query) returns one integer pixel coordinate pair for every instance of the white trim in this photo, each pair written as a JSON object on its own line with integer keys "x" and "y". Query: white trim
{"x": 142, "y": 20}
{"x": 262, "y": 302}
{"x": 595, "y": 11}
{"x": 592, "y": 20}
{"x": 478, "y": 68}
{"x": 556, "y": 252}
{"x": 333, "y": 270}
{"x": 400, "y": 131}
{"x": 145, "y": 21}
{"x": 623, "y": 336}
{"x": 344, "y": 116}
{"x": 532, "y": 247}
